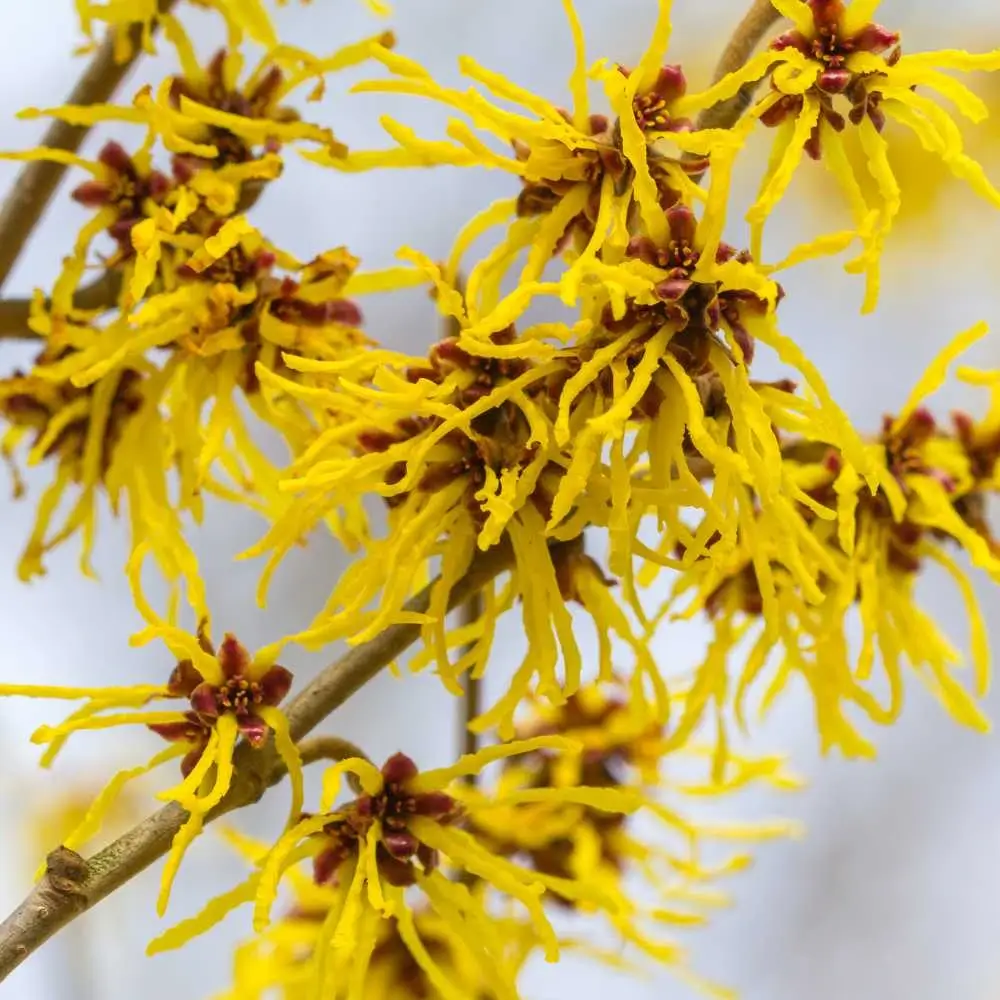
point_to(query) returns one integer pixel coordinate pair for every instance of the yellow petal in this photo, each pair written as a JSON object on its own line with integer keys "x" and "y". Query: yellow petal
{"x": 217, "y": 246}
{"x": 475, "y": 762}
{"x": 937, "y": 371}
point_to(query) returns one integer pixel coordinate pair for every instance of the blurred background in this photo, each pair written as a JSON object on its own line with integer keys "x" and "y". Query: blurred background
{"x": 895, "y": 890}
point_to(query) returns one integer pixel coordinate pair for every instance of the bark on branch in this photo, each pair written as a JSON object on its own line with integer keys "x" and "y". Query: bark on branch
{"x": 749, "y": 33}
{"x": 71, "y": 885}
{"x": 37, "y": 182}
{"x": 101, "y": 293}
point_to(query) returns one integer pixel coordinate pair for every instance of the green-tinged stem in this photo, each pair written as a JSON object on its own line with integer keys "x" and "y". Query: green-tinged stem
{"x": 72, "y": 885}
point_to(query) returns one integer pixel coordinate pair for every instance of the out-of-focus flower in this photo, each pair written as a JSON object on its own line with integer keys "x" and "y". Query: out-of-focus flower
{"x": 126, "y": 184}
{"x": 932, "y": 496}
{"x": 540, "y": 811}
{"x": 84, "y": 434}
{"x": 60, "y": 818}
{"x": 835, "y": 52}
{"x": 242, "y": 18}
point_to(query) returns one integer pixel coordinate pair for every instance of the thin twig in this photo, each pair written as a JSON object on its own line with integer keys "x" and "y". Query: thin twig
{"x": 37, "y": 181}
{"x": 318, "y": 748}
{"x": 101, "y": 293}
{"x": 327, "y": 748}
{"x": 470, "y": 702}
{"x": 749, "y": 33}
{"x": 72, "y": 885}
{"x": 468, "y": 740}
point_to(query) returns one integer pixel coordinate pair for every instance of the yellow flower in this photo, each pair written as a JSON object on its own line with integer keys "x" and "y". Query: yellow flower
{"x": 931, "y": 495}
{"x": 923, "y": 182}
{"x": 105, "y": 437}
{"x": 837, "y": 53}
{"x": 79, "y": 431}
{"x": 651, "y": 357}
{"x": 460, "y": 447}
{"x": 226, "y": 136}
{"x": 125, "y": 189}
{"x": 924, "y": 179}
{"x": 283, "y": 956}
{"x": 540, "y": 812}
{"x": 209, "y": 118}
{"x": 584, "y": 178}
{"x": 222, "y": 310}
{"x": 279, "y": 959}
{"x": 242, "y": 18}
{"x": 392, "y": 837}
{"x": 230, "y": 692}
{"x": 120, "y": 16}
{"x": 501, "y": 435}
{"x": 200, "y": 303}
{"x": 355, "y": 927}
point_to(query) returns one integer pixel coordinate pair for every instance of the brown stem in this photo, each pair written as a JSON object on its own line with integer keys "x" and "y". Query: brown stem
{"x": 101, "y": 293}
{"x": 749, "y": 33}
{"x": 72, "y": 885}
{"x": 318, "y": 748}
{"x": 470, "y": 704}
{"x": 469, "y": 708}
{"x": 328, "y": 748}
{"x": 37, "y": 182}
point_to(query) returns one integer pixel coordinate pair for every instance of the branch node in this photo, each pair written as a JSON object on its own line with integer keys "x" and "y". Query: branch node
{"x": 64, "y": 882}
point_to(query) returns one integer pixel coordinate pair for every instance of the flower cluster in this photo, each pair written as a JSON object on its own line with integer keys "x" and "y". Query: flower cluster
{"x": 199, "y": 296}
{"x": 551, "y": 470}
{"x": 405, "y": 823}
{"x": 933, "y": 497}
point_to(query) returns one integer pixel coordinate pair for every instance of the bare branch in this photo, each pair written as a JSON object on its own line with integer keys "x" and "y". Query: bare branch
{"x": 469, "y": 709}
{"x": 102, "y": 293}
{"x": 328, "y": 748}
{"x": 758, "y": 20}
{"x": 37, "y": 181}
{"x": 71, "y": 885}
